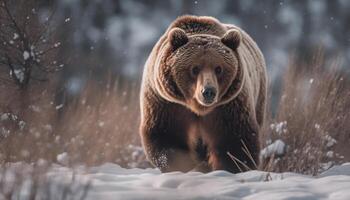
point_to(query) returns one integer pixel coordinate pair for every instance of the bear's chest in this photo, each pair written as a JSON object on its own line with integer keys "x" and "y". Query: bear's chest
{"x": 196, "y": 141}
{"x": 200, "y": 138}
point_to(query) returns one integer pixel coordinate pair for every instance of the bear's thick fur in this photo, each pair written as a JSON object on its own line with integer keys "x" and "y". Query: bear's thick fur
{"x": 186, "y": 126}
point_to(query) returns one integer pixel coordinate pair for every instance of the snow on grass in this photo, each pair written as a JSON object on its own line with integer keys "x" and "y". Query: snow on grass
{"x": 59, "y": 106}
{"x": 19, "y": 73}
{"x": 63, "y": 158}
{"x": 276, "y": 148}
{"x": 329, "y": 141}
{"x": 110, "y": 181}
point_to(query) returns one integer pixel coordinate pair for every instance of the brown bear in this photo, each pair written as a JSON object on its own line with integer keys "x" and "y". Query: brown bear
{"x": 203, "y": 98}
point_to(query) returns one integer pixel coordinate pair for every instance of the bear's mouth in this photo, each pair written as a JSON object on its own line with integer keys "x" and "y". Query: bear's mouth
{"x": 205, "y": 101}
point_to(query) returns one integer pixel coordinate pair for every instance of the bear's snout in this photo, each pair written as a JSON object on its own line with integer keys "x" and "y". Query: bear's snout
{"x": 209, "y": 94}
{"x": 207, "y": 88}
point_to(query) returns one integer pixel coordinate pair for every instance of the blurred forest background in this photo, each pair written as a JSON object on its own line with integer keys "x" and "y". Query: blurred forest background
{"x": 117, "y": 36}
{"x": 82, "y": 102}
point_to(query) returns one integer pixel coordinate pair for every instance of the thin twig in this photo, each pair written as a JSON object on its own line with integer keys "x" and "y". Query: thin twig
{"x": 247, "y": 152}
{"x": 239, "y": 161}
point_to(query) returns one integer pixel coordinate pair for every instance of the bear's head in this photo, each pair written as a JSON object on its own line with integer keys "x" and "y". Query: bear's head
{"x": 201, "y": 71}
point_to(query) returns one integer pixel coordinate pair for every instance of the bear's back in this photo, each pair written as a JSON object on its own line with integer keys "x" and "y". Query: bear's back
{"x": 199, "y": 25}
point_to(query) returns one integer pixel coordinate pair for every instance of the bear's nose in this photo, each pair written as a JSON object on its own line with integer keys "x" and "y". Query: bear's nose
{"x": 209, "y": 94}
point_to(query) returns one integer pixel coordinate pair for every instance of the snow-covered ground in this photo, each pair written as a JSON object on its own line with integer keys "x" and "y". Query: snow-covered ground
{"x": 110, "y": 181}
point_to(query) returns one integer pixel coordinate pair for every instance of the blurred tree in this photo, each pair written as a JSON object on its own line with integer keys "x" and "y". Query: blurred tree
{"x": 27, "y": 43}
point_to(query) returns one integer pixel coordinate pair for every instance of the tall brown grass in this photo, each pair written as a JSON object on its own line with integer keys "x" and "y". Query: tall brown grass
{"x": 312, "y": 118}
{"x": 100, "y": 125}
{"x": 26, "y": 122}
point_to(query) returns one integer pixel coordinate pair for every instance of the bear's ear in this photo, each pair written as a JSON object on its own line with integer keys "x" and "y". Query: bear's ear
{"x": 177, "y": 38}
{"x": 232, "y": 38}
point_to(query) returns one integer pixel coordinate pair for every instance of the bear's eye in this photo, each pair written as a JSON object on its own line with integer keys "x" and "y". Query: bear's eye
{"x": 195, "y": 70}
{"x": 218, "y": 70}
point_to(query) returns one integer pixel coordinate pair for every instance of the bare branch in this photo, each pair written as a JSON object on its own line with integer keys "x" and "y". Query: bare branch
{"x": 45, "y": 27}
{"x": 20, "y": 32}
{"x": 41, "y": 53}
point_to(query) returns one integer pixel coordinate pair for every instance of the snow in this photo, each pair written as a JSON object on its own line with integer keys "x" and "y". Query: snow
{"x": 26, "y": 55}
{"x": 63, "y": 158}
{"x": 15, "y": 36}
{"x": 57, "y": 44}
{"x": 4, "y": 116}
{"x": 329, "y": 141}
{"x": 35, "y": 108}
{"x": 19, "y": 74}
{"x": 110, "y": 181}
{"x": 317, "y": 126}
{"x": 337, "y": 170}
{"x": 8, "y": 116}
{"x": 276, "y": 148}
{"x": 279, "y": 128}
{"x": 21, "y": 124}
{"x": 59, "y": 106}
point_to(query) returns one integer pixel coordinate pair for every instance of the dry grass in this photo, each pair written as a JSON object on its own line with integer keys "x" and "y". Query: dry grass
{"x": 312, "y": 119}
{"x": 26, "y": 118}
{"x": 101, "y": 125}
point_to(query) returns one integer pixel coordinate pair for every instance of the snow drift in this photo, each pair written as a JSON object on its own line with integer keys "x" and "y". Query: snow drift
{"x": 110, "y": 181}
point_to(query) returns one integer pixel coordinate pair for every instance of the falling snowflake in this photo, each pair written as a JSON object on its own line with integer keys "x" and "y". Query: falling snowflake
{"x": 57, "y": 44}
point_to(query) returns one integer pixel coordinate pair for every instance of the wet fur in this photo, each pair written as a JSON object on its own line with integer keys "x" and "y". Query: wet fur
{"x": 177, "y": 137}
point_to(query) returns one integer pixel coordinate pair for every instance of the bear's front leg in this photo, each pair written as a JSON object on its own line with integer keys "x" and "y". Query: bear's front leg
{"x": 235, "y": 146}
{"x": 164, "y": 152}
{"x": 162, "y": 132}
